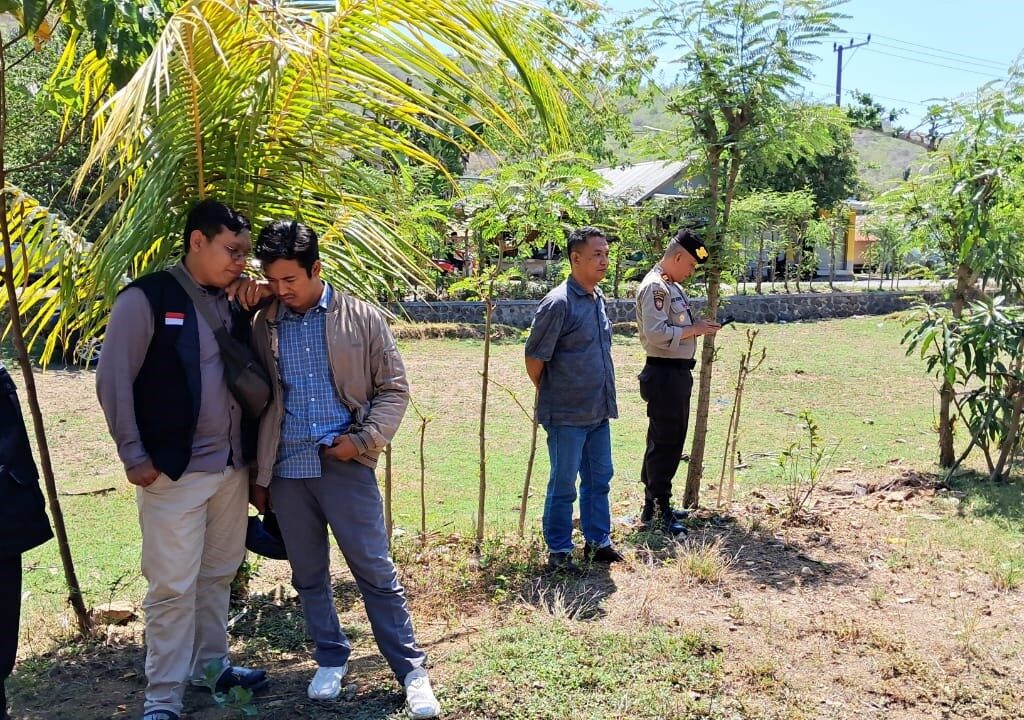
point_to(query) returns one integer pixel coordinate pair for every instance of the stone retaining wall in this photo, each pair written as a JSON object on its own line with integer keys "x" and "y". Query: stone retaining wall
{"x": 744, "y": 308}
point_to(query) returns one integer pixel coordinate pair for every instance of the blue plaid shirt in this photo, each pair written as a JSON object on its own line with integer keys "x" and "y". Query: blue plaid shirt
{"x": 313, "y": 414}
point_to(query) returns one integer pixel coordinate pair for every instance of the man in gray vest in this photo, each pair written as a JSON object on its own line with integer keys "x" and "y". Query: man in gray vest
{"x": 668, "y": 332}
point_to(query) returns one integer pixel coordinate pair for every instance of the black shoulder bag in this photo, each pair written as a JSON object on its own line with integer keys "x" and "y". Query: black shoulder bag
{"x": 246, "y": 378}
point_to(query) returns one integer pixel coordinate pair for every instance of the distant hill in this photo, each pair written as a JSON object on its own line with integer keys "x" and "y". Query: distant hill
{"x": 882, "y": 159}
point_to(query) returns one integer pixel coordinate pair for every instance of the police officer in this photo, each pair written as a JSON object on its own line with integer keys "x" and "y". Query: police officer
{"x": 668, "y": 333}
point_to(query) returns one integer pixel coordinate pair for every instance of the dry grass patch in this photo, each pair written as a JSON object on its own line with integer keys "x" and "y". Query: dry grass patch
{"x": 703, "y": 561}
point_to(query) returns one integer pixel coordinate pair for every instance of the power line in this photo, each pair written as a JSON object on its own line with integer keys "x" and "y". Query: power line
{"x": 851, "y": 57}
{"x": 986, "y": 65}
{"x": 993, "y": 75}
{"x": 942, "y": 50}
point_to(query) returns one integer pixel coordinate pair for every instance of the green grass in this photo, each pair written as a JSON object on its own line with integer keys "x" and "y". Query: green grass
{"x": 988, "y": 526}
{"x": 853, "y": 375}
{"x": 540, "y": 669}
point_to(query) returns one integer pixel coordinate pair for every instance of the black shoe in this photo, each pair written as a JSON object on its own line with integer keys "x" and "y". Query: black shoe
{"x": 237, "y": 676}
{"x": 562, "y": 562}
{"x": 605, "y": 554}
{"x": 647, "y": 514}
{"x": 671, "y": 526}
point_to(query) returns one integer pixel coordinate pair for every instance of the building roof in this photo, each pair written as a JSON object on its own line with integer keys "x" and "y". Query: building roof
{"x": 639, "y": 182}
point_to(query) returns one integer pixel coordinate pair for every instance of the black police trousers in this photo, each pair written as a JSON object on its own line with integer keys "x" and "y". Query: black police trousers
{"x": 666, "y": 385}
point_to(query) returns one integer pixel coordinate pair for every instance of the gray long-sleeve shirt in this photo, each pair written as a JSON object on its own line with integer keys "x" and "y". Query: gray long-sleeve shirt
{"x": 572, "y": 335}
{"x": 129, "y": 333}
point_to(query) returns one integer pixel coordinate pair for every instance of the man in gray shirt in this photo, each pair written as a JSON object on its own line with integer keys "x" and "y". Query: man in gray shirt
{"x": 183, "y": 440}
{"x": 568, "y": 358}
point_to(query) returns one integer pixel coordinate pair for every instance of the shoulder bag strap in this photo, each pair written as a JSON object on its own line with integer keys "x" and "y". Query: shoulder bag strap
{"x": 198, "y": 300}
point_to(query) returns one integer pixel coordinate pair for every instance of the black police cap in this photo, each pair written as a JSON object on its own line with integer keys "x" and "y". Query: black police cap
{"x": 263, "y": 537}
{"x": 692, "y": 243}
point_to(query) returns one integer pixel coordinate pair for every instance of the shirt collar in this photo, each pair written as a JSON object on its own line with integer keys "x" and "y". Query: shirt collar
{"x": 210, "y": 290}
{"x": 578, "y": 289}
{"x": 283, "y": 311}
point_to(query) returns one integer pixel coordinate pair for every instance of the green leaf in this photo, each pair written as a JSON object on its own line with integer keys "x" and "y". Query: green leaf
{"x": 99, "y": 19}
{"x": 35, "y": 13}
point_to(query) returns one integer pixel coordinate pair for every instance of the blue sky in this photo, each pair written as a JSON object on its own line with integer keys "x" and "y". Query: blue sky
{"x": 920, "y": 49}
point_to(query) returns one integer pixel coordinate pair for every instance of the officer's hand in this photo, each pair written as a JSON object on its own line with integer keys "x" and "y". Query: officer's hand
{"x": 343, "y": 449}
{"x": 259, "y": 497}
{"x": 143, "y": 474}
{"x": 249, "y": 292}
{"x": 709, "y": 328}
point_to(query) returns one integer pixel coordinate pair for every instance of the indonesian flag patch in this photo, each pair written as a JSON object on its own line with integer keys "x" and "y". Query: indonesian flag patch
{"x": 174, "y": 318}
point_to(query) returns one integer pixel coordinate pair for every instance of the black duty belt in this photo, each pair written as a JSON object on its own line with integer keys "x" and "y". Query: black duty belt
{"x": 672, "y": 362}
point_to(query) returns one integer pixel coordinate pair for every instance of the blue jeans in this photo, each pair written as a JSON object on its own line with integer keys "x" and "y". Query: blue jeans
{"x": 586, "y": 451}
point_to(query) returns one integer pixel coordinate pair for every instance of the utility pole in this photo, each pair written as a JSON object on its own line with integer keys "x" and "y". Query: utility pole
{"x": 838, "y": 49}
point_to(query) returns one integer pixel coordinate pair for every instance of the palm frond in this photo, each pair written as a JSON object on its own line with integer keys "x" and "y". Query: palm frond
{"x": 273, "y": 110}
{"x": 47, "y": 256}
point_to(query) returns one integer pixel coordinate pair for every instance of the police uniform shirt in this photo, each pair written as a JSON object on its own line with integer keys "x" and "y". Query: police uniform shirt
{"x": 662, "y": 313}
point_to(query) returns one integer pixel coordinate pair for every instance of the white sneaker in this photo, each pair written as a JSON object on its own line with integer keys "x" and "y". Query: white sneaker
{"x": 419, "y": 696}
{"x": 326, "y": 684}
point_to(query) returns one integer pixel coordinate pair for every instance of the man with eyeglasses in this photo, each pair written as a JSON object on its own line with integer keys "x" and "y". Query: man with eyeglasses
{"x": 668, "y": 333}
{"x": 185, "y": 444}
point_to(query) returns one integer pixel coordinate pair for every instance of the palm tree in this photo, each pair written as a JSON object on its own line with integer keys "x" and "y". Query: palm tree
{"x": 275, "y": 110}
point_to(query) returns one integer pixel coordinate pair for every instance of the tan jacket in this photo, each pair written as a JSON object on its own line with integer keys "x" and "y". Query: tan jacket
{"x": 366, "y": 368}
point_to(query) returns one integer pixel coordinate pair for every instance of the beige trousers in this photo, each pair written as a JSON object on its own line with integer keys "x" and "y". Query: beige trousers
{"x": 193, "y": 540}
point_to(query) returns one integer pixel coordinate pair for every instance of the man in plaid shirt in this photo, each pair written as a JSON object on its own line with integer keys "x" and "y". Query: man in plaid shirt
{"x": 339, "y": 395}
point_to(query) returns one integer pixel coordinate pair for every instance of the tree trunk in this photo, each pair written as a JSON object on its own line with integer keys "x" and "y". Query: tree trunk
{"x": 832, "y": 246}
{"x": 946, "y": 456}
{"x": 617, "y": 276}
{"x": 719, "y": 226}
{"x": 423, "y": 477}
{"x": 760, "y": 266}
{"x": 1012, "y": 437}
{"x": 529, "y": 469}
{"x": 482, "y": 488}
{"x": 695, "y": 469}
{"x": 485, "y": 380}
{"x": 964, "y": 278}
{"x": 31, "y": 395}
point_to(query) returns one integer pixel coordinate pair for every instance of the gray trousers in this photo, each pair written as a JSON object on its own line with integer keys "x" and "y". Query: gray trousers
{"x": 346, "y": 499}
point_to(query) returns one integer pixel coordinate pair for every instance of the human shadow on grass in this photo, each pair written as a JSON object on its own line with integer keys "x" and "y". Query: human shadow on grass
{"x": 717, "y": 545}
{"x": 570, "y": 596}
{"x": 106, "y": 683}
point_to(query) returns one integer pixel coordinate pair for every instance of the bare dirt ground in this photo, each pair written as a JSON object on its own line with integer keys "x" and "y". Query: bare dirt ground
{"x": 837, "y": 617}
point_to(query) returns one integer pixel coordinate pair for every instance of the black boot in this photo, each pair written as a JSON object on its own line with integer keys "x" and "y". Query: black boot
{"x": 670, "y": 524}
{"x": 647, "y": 514}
